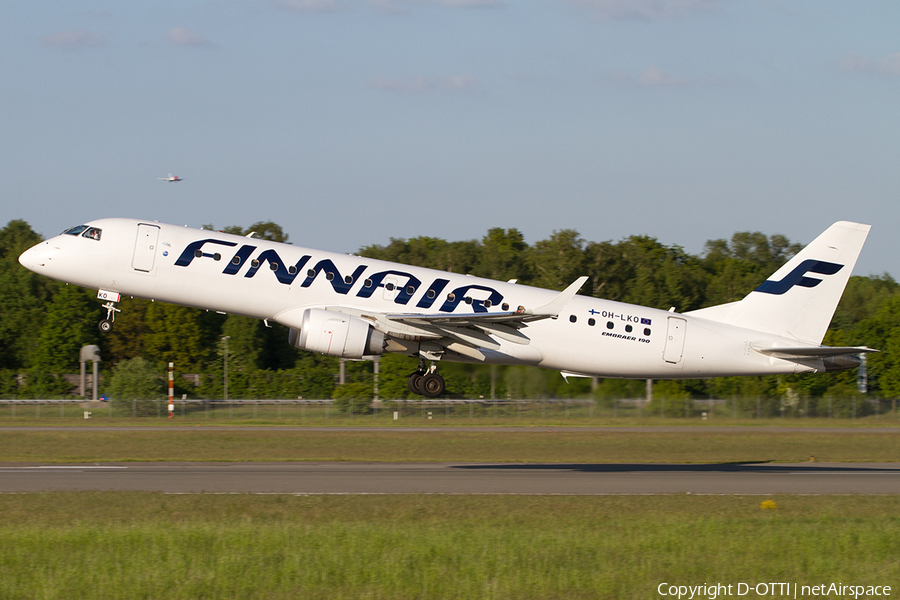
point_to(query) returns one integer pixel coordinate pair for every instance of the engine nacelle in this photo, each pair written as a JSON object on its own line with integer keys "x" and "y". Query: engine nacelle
{"x": 336, "y": 334}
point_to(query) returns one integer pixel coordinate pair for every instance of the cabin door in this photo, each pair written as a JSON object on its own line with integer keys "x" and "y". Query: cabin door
{"x": 675, "y": 341}
{"x": 145, "y": 247}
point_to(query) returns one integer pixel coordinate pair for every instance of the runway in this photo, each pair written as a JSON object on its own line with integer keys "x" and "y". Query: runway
{"x": 455, "y": 478}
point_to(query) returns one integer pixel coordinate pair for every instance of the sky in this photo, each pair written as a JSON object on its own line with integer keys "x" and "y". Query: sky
{"x": 351, "y": 122}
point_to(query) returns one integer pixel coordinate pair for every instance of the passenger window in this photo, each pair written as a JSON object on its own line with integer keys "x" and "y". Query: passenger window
{"x": 610, "y": 325}
{"x": 367, "y": 283}
{"x": 647, "y": 331}
{"x": 292, "y": 270}
{"x": 572, "y": 318}
{"x": 254, "y": 263}
{"x": 348, "y": 279}
{"x": 236, "y": 260}
{"x": 389, "y": 287}
{"x": 273, "y": 266}
{"x": 329, "y": 276}
{"x": 592, "y": 322}
{"x": 628, "y": 328}
{"x": 430, "y": 293}
{"x": 410, "y": 290}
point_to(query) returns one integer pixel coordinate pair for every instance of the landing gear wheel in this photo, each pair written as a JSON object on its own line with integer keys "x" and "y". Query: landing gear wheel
{"x": 413, "y": 382}
{"x": 432, "y": 385}
{"x": 105, "y": 325}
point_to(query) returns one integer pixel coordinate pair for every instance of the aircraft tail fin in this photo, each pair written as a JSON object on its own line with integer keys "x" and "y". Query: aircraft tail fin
{"x": 799, "y": 299}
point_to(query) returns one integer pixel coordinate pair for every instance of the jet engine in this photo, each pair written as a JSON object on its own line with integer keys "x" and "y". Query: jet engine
{"x": 336, "y": 334}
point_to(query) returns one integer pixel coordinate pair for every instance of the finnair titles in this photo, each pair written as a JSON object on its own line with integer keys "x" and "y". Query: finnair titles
{"x": 353, "y": 307}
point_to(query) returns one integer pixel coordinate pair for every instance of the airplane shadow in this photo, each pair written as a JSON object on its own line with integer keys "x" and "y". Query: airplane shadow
{"x": 749, "y": 467}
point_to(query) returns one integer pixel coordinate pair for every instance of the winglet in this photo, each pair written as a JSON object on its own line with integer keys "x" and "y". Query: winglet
{"x": 555, "y": 306}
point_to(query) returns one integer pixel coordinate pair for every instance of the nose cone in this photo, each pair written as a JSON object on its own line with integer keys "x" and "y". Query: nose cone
{"x": 35, "y": 257}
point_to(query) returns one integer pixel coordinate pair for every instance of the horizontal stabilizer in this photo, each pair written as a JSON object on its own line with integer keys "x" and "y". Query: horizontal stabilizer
{"x": 812, "y": 352}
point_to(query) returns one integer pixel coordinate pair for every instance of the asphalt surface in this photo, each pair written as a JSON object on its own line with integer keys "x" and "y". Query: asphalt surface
{"x": 455, "y": 478}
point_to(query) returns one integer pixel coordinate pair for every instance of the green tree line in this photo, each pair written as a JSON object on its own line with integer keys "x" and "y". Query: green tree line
{"x": 44, "y": 323}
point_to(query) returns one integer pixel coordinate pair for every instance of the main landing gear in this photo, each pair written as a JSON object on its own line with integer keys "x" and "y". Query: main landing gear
{"x": 105, "y": 325}
{"x": 426, "y": 381}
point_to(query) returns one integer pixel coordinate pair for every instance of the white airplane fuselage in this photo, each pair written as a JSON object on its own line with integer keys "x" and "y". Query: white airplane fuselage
{"x": 280, "y": 282}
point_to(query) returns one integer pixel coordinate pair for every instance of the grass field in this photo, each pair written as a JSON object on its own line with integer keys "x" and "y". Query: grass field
{"x": 561, "y": 445}
{"x": 130, "y": 545}
{"x": 416, "y": 413}
{"x": 138, "y": 545}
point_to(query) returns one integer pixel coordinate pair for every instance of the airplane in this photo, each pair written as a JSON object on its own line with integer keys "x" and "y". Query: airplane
{"x": 171, "y": 178}
{"x": 357, "y": 308}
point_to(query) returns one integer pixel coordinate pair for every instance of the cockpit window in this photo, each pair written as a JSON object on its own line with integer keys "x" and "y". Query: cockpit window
{"x": 75, "y": 230}
{"x": 92, "y": 233}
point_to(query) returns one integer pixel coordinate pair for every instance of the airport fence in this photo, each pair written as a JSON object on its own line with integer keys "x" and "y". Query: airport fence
{"x": 446, "y": 410}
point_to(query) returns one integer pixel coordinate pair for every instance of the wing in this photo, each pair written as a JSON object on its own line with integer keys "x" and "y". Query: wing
{"x": 463, "y": 334}
{"x": 516, "y": 319}
{"x": 478, "y": 330}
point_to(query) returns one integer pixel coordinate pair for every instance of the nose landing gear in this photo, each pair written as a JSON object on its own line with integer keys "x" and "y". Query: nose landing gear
{"x": 105, "y": 325}
{"x": 111, "y": 298}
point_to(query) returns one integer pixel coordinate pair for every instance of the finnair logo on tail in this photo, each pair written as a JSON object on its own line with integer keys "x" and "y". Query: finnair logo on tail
{"x": 798, "y": 277}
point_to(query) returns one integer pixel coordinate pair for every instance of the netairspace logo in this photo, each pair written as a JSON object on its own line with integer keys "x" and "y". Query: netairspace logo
{"x": 770, "y": 590}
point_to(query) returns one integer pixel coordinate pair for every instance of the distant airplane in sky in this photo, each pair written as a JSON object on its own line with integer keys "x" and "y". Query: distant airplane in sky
{"x": 354, "y": 307}
{"x": 171, "y": 178}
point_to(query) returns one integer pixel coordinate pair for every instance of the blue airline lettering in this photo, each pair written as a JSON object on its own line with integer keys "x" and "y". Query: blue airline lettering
{"x": 797, "y": 277}
{"x": 437, "y": 286}
{"x": 337, "y": 281}
{"x": 477, "y": 305}
{"x": 241, "y": 255}
{"x": 378, "y": 281}
{"x": 281, "y": 271}
{"x": 283, "y": 274}
{"x": 188, "y": 255}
